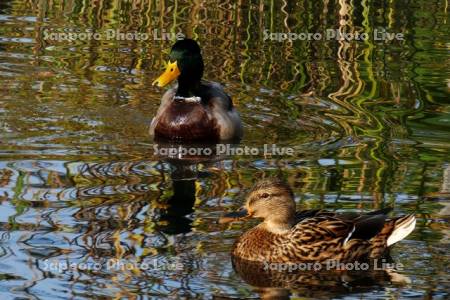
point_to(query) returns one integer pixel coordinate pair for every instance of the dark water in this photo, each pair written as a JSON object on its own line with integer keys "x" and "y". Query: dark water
{"x": 80, "y": 183}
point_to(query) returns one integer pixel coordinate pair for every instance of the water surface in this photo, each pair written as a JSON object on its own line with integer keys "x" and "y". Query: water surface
{"x": 80, "y": 183}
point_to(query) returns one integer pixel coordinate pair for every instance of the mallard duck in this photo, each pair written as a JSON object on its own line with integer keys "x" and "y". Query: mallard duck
{"x": 193, "y": 110}
{"x": 312, "y": 235}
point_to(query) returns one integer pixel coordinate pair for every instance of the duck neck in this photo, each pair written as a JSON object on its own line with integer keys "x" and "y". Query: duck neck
{"x": 280, "y": 224}
{"x": 187, "y": 86}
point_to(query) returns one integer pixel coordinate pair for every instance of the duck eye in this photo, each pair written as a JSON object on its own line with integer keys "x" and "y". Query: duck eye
{"x": 171, "y": 70}
{"x": 265, "y": 195}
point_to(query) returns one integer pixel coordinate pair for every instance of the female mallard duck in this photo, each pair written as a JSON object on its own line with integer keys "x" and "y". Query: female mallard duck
{"x": 195, "y": 110}
{"x": 313, "y": 235}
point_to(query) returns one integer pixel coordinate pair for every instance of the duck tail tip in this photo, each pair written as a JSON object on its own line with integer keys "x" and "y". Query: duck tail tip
{"x": 403, "y": 226}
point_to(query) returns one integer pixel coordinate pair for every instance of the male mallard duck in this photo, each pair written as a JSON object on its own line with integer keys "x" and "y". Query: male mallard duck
{"x": 312, "y": 235}
{"x": 195, "y": 110}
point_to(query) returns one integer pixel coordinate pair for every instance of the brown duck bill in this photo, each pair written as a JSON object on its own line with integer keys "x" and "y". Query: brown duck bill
{"x": 235, "y": 216}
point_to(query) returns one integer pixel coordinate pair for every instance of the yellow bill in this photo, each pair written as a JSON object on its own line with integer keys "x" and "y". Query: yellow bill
{"x": 170, "y": 74}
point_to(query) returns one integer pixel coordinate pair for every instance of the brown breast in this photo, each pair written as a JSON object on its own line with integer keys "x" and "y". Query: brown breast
{"x": 187, "y": 121}
{"x": 257, "y": 245}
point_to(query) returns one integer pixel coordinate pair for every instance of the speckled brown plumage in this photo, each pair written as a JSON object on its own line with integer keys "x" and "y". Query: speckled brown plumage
{"x": 313, "y": 235}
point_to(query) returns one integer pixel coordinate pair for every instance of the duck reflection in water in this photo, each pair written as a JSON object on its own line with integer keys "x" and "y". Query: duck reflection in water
{"x": 181, "y": 203}
{"x": 183, "y": 174}
{"x": 324, "y": 284}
